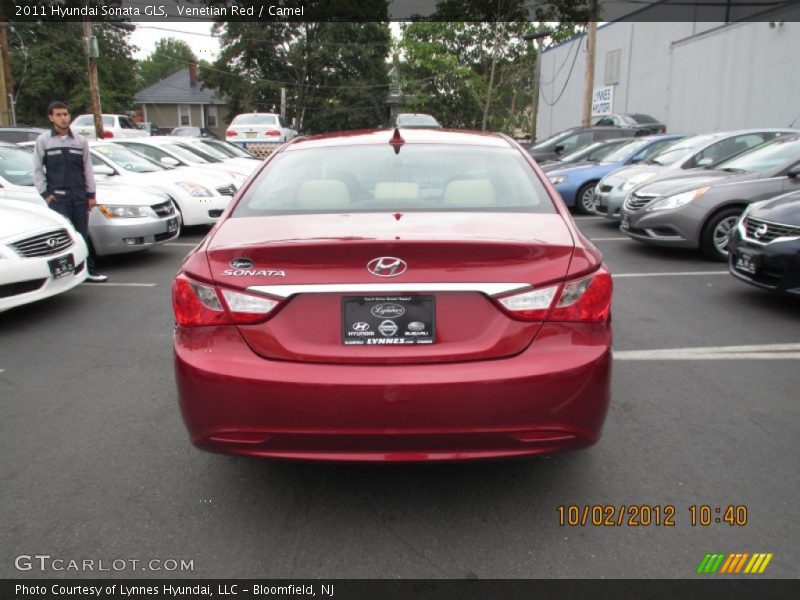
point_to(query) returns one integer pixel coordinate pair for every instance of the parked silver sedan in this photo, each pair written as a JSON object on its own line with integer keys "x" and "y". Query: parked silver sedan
{"x": 700, "y": 208}
{"x": 697, "y": 151}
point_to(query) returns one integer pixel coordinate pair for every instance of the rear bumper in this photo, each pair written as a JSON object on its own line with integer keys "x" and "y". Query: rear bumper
{"x": 552, "y": 397}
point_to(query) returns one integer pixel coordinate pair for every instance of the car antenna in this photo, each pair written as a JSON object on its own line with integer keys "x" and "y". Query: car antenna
{"x": 397, "y": 140}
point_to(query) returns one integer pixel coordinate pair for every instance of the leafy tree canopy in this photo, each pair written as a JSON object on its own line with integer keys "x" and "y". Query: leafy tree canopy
{"x": 169, "y": 56}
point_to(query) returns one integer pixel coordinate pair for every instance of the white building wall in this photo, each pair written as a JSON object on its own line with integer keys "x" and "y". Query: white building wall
{"x": 695, "y": 77}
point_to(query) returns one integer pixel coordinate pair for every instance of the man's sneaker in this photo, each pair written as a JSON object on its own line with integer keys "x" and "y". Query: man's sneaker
{"x": 95, "y": 278}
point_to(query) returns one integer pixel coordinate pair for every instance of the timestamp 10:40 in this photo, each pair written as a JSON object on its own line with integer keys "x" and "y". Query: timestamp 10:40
{"x": 705, "y": 515}
{"x": 646, "y": 515}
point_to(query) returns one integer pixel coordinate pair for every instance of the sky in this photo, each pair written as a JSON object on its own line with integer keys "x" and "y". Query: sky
{"x": 197, "y": 35}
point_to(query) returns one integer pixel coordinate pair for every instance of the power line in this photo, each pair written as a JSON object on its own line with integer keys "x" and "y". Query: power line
{"x": 569, "y": 75}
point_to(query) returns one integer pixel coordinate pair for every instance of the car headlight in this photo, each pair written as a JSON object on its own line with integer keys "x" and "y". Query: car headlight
{"x": 117, "y": 212}
{"x": 556, "y": 179}
{"x": 194, "y": 189}
{"x": 678, "y": 200}
{"x": 636, "y": 180}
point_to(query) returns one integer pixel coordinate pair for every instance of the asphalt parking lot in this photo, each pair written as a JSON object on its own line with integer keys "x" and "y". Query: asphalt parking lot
{"x": 96, "y": 462}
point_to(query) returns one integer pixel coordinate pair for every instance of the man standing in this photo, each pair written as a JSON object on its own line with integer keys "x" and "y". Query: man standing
{"x": 62, "y": 174}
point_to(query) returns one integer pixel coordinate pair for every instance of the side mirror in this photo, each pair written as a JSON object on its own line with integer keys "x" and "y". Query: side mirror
{"x": 168, "y": 161}
{"x": 559, "y": 149}
{"x": 794, "y": 172}
{"x": 103, "y": 170}
{"x": 705, "y": 162}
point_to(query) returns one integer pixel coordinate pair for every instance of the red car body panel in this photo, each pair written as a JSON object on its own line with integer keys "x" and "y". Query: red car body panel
{"x": 492, "y": 384}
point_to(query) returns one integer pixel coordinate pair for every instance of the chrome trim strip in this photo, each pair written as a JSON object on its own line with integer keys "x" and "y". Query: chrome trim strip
{"x": 284, "y": 291}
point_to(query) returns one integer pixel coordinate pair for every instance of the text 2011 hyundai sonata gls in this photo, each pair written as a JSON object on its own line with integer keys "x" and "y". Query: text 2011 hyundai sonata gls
{"x": 415, "y": 295}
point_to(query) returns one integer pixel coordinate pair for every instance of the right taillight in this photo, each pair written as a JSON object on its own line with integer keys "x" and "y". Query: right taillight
{"x": 197, "y": 304}
{"x": 585, "y": 300}
{"x": 231, "y": 133}
{"x": 272, "y": 133}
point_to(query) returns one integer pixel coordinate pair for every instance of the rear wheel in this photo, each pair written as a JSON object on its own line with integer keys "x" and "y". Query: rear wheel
{"x": 584, "y": 199}
{"x": 714, "y": 239}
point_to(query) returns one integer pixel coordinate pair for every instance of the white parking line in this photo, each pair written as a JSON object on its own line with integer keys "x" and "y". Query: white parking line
{"x": 674, "y": 274}
{"x": 117, "y": 284}
{"x": 757, "y": 352}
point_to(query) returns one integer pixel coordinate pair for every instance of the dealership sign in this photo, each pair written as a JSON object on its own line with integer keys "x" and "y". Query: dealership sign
{"x": 603, "y": 101}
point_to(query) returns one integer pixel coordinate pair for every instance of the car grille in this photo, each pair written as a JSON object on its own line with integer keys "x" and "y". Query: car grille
{"x": 764, "y": 232}
{"x": 606, "y": 188}
{"x": 637, "y": 201}
{"x": 227, "y": 190}
{"x": 165, "y": 209}
{"x": 20, "y": 287}
{"x": 44, "y": 244}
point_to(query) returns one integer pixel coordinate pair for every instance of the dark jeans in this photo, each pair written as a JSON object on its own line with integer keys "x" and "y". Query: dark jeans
{"x": 75, "y": 210}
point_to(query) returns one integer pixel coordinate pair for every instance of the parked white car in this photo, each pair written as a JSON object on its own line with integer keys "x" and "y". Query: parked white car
{"x": 170, "y": 152}
{"x": 250, "y": 129}
{"x": 200, "y": 196}
{"x": 114, "y": 127}
{"x": 126, "y": 218}
{"x": 41, "y": 254}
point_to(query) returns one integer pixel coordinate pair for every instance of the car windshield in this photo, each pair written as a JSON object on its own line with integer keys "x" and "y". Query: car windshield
{"x": 16, "y": 166}
{"x": 629, "y": 149}
{"x": 371, "y": 178}
{"x": 88, "y": 121}
{"x": 416, "y": 120}
{"x": 205, "y": 152}
{"x": 682, "y": 150}
{"x": 548, "y": 141}
{"x": 640, "y": 118}
{"x": 128, "y": 159}
{"x": 764, "y": 158}
{"x": 186, "y": 153}
{"x": 594, "y": 153}
{"x": 255, "y": 120}
{"x": 231, "y": 150}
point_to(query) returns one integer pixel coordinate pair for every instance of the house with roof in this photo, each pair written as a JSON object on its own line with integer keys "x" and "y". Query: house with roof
{"x": 181, "y": 100}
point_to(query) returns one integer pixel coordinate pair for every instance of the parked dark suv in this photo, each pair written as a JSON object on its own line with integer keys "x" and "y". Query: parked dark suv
{"x": 574, "y": 139}
{"x": 646, "y": 124}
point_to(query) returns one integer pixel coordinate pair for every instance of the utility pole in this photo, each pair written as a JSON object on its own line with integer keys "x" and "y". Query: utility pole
{"x": 491, "y": 76}
{"x": 92, "y": 53}
{"x": 538, "y": 37}
{"x": 6, "y": 81}
{"x": 588, "y": 81}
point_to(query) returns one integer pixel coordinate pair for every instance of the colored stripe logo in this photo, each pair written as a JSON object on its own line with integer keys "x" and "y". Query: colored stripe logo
{"x": 729, "y": 564}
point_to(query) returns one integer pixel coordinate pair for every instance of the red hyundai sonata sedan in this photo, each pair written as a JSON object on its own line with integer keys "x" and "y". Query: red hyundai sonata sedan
{"x": 416, "y": 295}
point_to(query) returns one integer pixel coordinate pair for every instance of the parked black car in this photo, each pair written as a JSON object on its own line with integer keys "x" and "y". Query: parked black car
{"x": 574, "y": 139}
{"x": 644, "y": 123}
{"x": 764, "y": 247}
{"x": 15, "y": 135}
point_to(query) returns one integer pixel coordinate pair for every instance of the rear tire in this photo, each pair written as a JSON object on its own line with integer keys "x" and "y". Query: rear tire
{"x": 584, "y": 199}
{"x": 714, "y": 239}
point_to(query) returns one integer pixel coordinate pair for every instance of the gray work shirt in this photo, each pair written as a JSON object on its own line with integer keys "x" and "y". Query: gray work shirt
{"x": 62, "y": 166}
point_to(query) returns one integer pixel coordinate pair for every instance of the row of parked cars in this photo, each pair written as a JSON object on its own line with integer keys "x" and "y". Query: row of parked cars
{"x": 147, "y": 189}
{"x": 733, "y": 195}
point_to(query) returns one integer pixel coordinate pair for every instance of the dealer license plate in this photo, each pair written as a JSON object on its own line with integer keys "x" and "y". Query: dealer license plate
{"x": 251, "y": 134}
{"x": 626, "y": 222}
{"x": 62, "y": 266}
{"x": 172, "y": 225}
{"x": 747, "y": 262}
{"x": 388, "y": 320}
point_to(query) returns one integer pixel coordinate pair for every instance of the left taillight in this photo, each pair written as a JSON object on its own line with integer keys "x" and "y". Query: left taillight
{"x": 196, "y": 304}
{"x": 584, "y": 300}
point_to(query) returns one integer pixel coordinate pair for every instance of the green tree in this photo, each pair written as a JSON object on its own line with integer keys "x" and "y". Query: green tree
{"x": 169, "y": 56}
{"x": 48, "y": 63}
{"x": 335, "y": 74}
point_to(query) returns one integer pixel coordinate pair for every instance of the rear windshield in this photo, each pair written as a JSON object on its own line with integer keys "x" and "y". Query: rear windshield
{"x": 640, "y": 118}
{"x": 88, "y": 120}
{"x": 421, "y": 177}
{"x": 255, "y": 120}
{"x": 426, "y": 120}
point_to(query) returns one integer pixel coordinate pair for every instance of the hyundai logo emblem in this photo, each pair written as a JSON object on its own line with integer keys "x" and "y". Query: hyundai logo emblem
{"x": 241, "y": 263}
{"x": 387, "y": 266}
{"x": 51, "y": 242}
{"x": 760, "y": 230}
